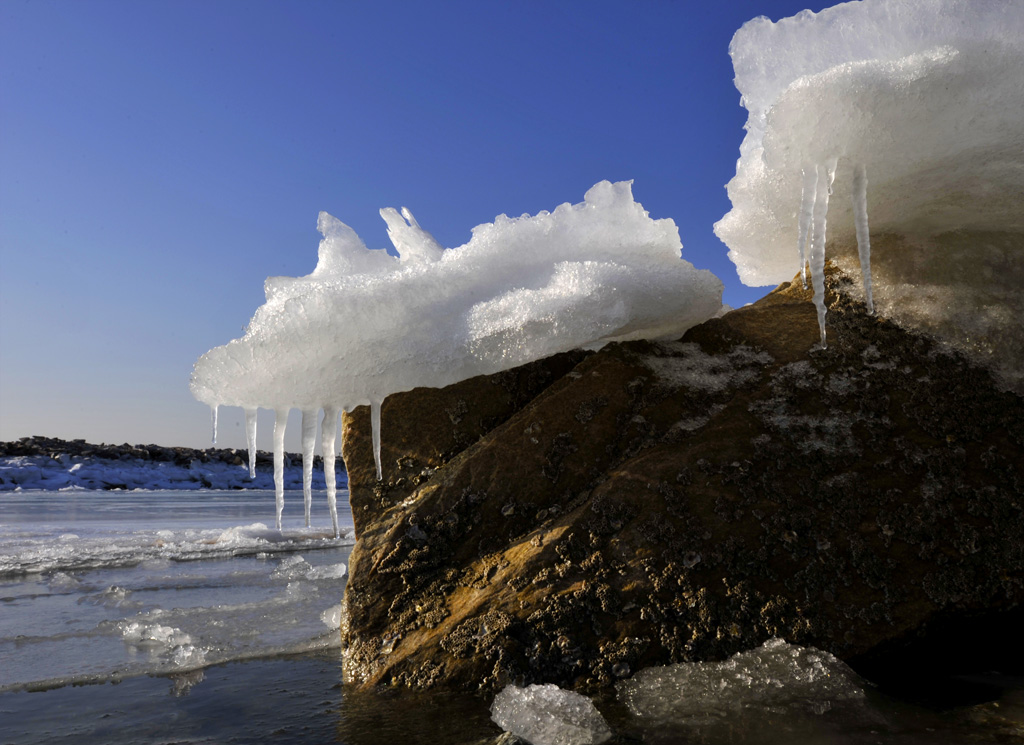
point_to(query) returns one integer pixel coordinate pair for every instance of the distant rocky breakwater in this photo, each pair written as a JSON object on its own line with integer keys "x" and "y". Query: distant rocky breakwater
{"x": 51, "y": 463}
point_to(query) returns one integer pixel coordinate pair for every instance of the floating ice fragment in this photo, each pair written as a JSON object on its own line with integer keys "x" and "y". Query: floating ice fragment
{"x": 332, "y": 617}
{"x": 775, "y": 676}
{"x": 330, "y": 571}
{"x": 549, "y": 715}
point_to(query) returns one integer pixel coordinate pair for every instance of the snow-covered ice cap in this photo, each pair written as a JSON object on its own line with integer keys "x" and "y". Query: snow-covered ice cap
{"x": 365, "y": 324}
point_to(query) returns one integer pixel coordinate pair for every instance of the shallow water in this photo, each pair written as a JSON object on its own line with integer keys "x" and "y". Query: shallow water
{"x": 100, "y": 586}
{"x": 143, "y": 617}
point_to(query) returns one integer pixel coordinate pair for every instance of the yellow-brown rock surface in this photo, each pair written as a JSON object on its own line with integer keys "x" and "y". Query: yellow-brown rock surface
{"x": 588, "y": 515}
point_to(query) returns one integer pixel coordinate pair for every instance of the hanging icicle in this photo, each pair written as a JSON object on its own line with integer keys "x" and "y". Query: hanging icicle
{"x": 308, "y": 445}
{"x": 807, "y": 195}
{"x": 250, "y": 439}
{"x": 375, "y": 433}
{"x": 280, "y": 423}
{"x": 825, "y": 175}
{"x": 328, "y": 438}
{"x": 860, "y": 219}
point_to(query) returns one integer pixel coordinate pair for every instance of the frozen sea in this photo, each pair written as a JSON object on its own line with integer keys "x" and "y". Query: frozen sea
{"x": 179, "y": 616}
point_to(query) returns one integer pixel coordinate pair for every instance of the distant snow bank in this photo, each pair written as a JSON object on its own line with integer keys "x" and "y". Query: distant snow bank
{"x": 43, "y": 472}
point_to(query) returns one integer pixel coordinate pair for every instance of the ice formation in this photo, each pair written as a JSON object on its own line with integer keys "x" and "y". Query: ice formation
{"x": 923, "y": 98}
{"x": 549, "y": 715}
{"x": 365, "y": 324}
{"x": 774, "y": 677}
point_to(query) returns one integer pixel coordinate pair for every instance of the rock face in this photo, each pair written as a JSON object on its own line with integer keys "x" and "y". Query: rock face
{"x": 589, "y": 515}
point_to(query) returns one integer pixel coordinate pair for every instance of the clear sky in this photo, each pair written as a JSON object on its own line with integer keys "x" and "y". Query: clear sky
{"x": 160, "y": 159}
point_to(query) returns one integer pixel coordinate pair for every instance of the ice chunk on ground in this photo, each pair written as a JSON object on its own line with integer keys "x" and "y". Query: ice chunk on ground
{"x": 774, "y": 677}
{"x": 923, "y": 96}
{"x": 549, "y": 715}
{"x": 363, "y": 325}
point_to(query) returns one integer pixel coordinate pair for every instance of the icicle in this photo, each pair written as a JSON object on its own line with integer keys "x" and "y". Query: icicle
{"x": 328, "y": 436}
{"x": 860, "y": 219}
{"x": 280, "y": 422}
{"x": 213, "y": 422}
{"x": 807, "y": 195}
{"x": 375, "y": 432}
{"x": 308, "y": 444}
{"x": 825, "y": 175}
{"x": 250, "y": 439}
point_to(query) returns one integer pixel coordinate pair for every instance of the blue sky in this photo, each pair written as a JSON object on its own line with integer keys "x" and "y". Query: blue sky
{"x": 158, "y": 160}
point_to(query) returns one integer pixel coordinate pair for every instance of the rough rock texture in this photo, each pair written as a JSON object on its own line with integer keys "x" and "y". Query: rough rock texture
{"x": 588, "y": 515}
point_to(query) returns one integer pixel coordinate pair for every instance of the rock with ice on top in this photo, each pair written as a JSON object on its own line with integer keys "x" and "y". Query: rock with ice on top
{"x": 889, "y": 132}
{"x": 364, "y": 324}
{"x": 549, "y": 715}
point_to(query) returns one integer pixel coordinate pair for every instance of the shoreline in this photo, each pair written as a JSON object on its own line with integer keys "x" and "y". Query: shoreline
{"x": 53, "y": 464}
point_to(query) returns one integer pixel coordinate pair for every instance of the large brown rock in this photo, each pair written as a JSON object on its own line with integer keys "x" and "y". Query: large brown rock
{"x": 583, "y": 517}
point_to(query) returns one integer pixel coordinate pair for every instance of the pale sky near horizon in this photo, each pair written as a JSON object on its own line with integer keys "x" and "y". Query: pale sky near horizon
{"x": 158, "y": 160}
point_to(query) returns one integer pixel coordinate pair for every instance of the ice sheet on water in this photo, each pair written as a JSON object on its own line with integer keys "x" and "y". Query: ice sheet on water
{"x": 32, "y": 551}
{"x": 775, "y": 677}
{"x": 921, "y": 98}
{"x": 549, "y": 715}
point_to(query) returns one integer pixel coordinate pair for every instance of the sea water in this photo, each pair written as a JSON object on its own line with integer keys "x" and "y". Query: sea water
{"x": 140, "y": 617}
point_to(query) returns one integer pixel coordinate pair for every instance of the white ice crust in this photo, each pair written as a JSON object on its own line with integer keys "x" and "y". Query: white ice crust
{"x": 365, "y": 324}
{"x": 549, "y": 715}
{"x": 905, "y": 111}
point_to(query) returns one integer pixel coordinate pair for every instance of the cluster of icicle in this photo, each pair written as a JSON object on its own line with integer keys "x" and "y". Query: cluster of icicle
{"x": 923, "y": 96}
{"x": 817, "y": 189}
{"x": 328, "y": 441}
